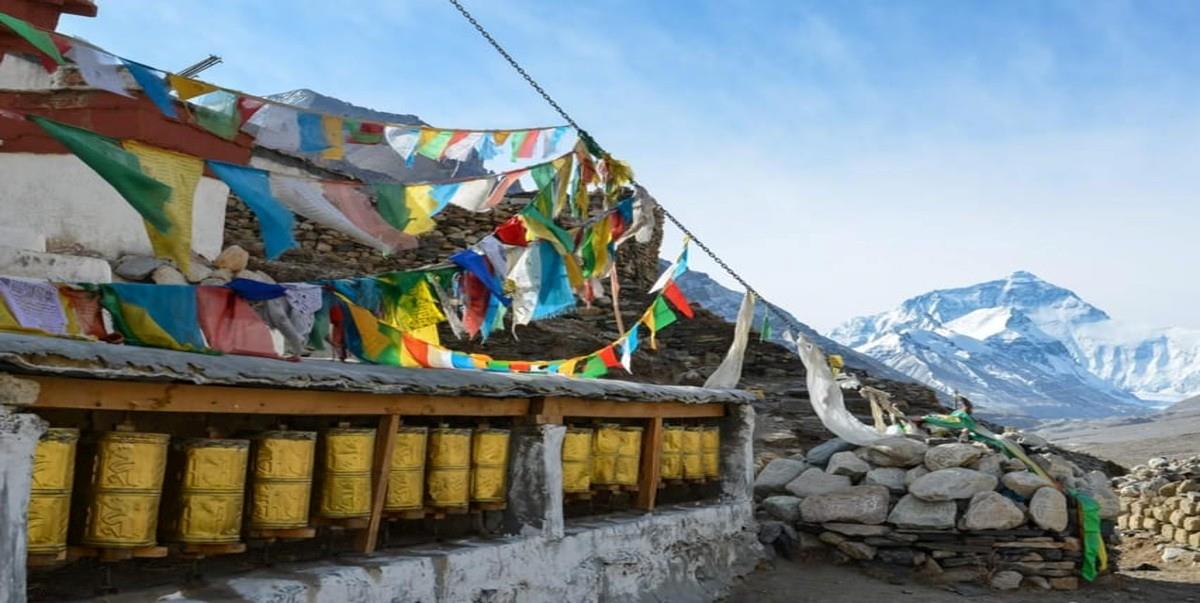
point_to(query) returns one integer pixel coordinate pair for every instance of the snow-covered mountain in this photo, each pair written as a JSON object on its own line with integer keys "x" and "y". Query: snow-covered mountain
{"x": 1023, "y": 346}
{"x": 724, "y": 302}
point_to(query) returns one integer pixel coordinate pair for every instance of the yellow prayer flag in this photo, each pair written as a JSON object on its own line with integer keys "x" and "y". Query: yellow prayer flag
{"x": 181, "y": 173}
{"x": 334, "y": 136}
{"x": 427, "y": 334}
{"x": 421, "y": 204}
{"x": 188, "y": 88}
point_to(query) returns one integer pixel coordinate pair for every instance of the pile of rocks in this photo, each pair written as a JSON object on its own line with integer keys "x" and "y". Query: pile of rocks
{"x": 953, "y": 511}
{"x": 1161, "y": 501}
{"x": 231, "y": 263}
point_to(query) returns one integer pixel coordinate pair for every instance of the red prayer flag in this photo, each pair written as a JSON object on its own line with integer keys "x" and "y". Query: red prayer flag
{"x": 231, "y": 325}
{"x": 247, "y": 107}
{"x": 478, "y": 296}
{"x": 518, "y": 367}
{"x": 677, "y": 299}
{"x": 86, "y": 307}
{"x": 525, "y": 151}
{"x": 609, "y": 356}
{"x": 512, "y": 232}
{"x": 418, "y": 349}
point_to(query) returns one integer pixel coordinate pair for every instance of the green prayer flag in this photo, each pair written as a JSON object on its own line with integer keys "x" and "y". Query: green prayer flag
{"x": 594, "y": 368}
{"x": 219, "y": 117}
{"x": 116, "y": 166}
{"x": 564, "y": 238}
{"x": 765, "y": 332}
{"x": 1093, "y": 542}
{"x": 389, "y": 200}
{"x": 664, "y": 316}
{"x": 36, "y": 37}
{"x": 436, "y": 145}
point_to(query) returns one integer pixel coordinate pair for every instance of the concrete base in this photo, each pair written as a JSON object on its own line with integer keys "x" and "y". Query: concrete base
{"x": 682, "y": 553}
{"x": 19, "y": 435}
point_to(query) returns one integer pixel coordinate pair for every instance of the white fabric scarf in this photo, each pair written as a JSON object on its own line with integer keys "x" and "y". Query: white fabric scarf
{"x": 729, "y": 372}
{"x": 826, "y": 397}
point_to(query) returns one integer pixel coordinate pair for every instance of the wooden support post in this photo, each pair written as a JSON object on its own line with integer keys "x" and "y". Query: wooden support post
{"x": 385, "y": 442}
{"x": 651, "y": 464}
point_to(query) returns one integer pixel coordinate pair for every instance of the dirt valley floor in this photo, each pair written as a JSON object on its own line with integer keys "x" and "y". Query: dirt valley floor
{"x": 818, "y": 580}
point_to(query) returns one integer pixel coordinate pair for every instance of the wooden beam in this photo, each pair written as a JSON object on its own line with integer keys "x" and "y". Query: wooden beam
{"x": 651, "y": 464}
{"x": 385, "y": 442}
{"x": 101, "y": 394}
{"x": 576, "y": 407}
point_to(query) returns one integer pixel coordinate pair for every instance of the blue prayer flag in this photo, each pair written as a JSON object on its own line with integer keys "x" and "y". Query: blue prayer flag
{"x": 154, "y": 86}
{"x": 253, "y": 187}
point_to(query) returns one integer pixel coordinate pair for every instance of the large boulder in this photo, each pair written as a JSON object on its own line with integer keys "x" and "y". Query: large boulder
{"x": 847, "y": 464}
{"x": 815, "y": 481}
{"x": 1048, "y": 509}
{"x": 952, "y": 484}
{"x": 820, "y": 454}
{"x": 991, "y": 511}
{"x": 895, "y": 451}
{"x": 912, "y": 474}
{"x": 916, "y": 514}
{"x": 890, "y": 477}
{"x": 776, "y": 475}
{"x": 991, "y": 464}
{"x": 951, "y": 455}
{"x": 783, "y": 508}
{"x": 1024, "y": 483}
{"x": 1006, "y": 580}
{"x": 857, "y": 550}
{"x": 856, "y": 504}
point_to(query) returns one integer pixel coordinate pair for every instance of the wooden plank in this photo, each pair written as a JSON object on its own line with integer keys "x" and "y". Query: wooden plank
{"x": 651, "y": 463}
{"x": 385, "y": 442}
{"x": 100, "y": 394}
{"x": 576, "y": 407}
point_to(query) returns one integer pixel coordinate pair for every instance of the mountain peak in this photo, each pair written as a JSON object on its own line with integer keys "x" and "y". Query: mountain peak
{"x": 1023, "y": 275}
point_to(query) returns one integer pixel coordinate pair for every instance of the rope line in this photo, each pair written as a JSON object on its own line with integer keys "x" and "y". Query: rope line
{"x": 771, "y": 308}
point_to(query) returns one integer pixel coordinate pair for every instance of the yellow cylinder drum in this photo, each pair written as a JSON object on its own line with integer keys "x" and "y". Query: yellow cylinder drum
{"x": 50, "y": 498}
{"x": 671, "y": 466}
{"x": 577, "y": 460}
{"x": 126, "y": 489}
{"x": 346, "y": 473}
{"x": 628, "y": 456}
{"x": 489, "y": 465}
{"x": 710, "y": 451}
{"x": 448, "y": 479}
{"x": 406, "y": 479}
{"x": 693, "y": 463}
{"x": 606, "y": 447}
{"x": 212, "y": 491}
{"x": 282, "y": 486}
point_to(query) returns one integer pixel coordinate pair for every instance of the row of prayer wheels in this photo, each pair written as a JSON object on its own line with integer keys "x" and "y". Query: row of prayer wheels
{"x": 610, "y": 455}
{"x": 442, "y": 467}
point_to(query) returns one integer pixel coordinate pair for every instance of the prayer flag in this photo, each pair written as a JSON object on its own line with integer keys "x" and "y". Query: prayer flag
{"x": 608, "y": 355}
{"x": 218, "y": 114}
{"x": 628, "y": 347}
{"x": 253, "y": 187}
{"x": 312, "y": 133}
{"x": 517, "y": 139}
{"x": 658, "y": 317}
{"x": 116, "y": 166}
{"x": 354, "y": 203}
{"x": 187, "y": 88}
{"x": 528, "y": 143}
{"x": 83, "y": 312}
{"x": 594, "y": 368}
{"x": 362, "y": 132}
{"x": 335, "y": 136}
{"x": 247, "y": 107}
{"x": 461, "y": 144}
{"x": 34, "y": 304}
{"x": 390, "y": 201}
{"x": 403, "y": 140}
{"x": 36, "y": 37}
{"x": 764, "y": 333}
{"x": 160, "y": 316}
{"x": 674, "y": 295}
{"x": 181, "y": 173}
{"x": 231, "y": 325}
{"x": 434, "y": 142}
{"x": 153, "y": 86}
{"x": 99, "y": 69}
{"x": 472, "y": 195}
{"x": 278, "y": 127}
{"x": 306, "y": 197}
{"x": 420, "y": 204}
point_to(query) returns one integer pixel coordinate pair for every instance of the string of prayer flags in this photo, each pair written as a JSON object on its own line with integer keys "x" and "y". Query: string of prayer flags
{"x": 154, "y": 87}
{"x": 37, "y": 38}
{"x": 116, "y": 166}
{"x": 159, "y": 316}
{"x": 253, "y": 187}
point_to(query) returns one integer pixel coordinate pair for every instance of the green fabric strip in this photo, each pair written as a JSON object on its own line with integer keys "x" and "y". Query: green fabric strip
{"x": 36, "y": 37}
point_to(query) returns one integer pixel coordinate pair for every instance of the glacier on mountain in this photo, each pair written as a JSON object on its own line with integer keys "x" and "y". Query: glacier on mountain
{"x": 1021, "y": 346}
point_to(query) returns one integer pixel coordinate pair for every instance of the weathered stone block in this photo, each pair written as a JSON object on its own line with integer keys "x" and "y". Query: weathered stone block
{"x": 857, "y": 504}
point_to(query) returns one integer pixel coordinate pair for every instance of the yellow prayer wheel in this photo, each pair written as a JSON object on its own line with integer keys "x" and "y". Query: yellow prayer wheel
{"x": 126, "y": 486}
{"x": 211, "y": 491}
{"x": 406, "y": 480}
{"x": 671, "y": 466}
{"x": 282, "y": 486}
{"x": 346, "y": 473}
{"x": 710, "y": 450}
{"x": 577, "y": 460}
{"x": 448, "y": 483}
{"x": 628, "y": 455}
{"x": 50, "y": 497}
{"x": 489, "y": 465}
{"x": 605, "y": 448}
{"x": 693, "y": 463}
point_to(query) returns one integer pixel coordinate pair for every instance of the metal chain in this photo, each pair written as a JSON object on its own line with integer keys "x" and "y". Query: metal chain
{"x": 787, "y": 319}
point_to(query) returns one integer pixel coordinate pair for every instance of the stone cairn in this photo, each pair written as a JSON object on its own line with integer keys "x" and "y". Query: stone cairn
{"x": 1160, "y": 503}
{"x": 950, "y": 511}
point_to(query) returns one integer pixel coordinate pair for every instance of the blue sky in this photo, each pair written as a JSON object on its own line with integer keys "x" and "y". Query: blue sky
{"x": 842, "y": 156}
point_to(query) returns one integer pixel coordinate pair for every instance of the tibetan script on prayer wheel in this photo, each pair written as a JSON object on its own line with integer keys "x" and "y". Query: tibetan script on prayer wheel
{"x": 710, "y": 450}
{"x": 50, "y": 498}
{"x": 211, "y": 491}
{"x": 448, "y": 480}
{"x": 282, "y": 484}
{"x": 672, "y": 452}
{"x": 489, "y": 465}
{"x": 628, "y": 455}
{"x": 693, "y": 464}
{"x": 126, "y": 487}
{"x": 346, "y": 473}
{"x": 577, "y": 460}
{"x": 406, "y": 480}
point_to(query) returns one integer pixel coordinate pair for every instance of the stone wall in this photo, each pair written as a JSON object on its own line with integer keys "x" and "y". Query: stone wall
{"x": 1160, "y": 502}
